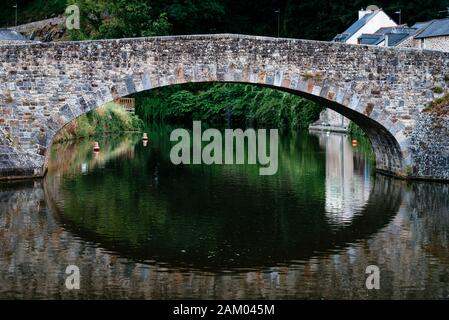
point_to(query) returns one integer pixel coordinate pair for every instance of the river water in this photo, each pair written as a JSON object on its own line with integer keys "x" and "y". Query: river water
{"x": 138, "y": 226}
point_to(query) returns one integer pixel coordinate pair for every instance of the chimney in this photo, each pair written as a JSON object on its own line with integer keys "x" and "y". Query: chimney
{"x": 364, "y": 12}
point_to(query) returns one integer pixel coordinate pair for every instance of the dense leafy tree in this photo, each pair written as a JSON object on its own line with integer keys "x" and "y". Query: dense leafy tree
{"x": 196, "y": 16}
{"x": 227, "y": 104}
{"x": 310, "y": 19}
{"x": 323, "y": 19}
{"x": 118, "y": 19}
{"x": 29, "y": 10}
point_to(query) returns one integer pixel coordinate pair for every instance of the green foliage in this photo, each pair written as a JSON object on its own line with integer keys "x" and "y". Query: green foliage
{"x": 30, "y": 10}
{"x": 301, "y": 19}
{"x": 222, "y": 104}
{"x": 437, "y": 90}
{"x": 298, "y": 19}
{"x": 439, "y": 106}
{"x": 8, "y": 97}
{"x": 195, "y": 16}
{"x": 354, "y": 129}
{"x": 118, "y": 19}
{"x": 109, "y": 118}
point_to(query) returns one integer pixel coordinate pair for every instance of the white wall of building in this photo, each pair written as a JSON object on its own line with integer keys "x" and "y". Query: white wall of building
{"x": 380, "y": 20}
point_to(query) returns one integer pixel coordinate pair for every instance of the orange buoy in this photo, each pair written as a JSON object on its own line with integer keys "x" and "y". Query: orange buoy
{"x": 96, "y": 146}
{"x": 145, "y": 137}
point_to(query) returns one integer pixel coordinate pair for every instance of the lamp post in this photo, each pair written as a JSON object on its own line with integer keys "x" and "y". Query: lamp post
{"x": 399, "y": 12}
{"x": 16, "y": 12}
{"x": 278, "y": 11}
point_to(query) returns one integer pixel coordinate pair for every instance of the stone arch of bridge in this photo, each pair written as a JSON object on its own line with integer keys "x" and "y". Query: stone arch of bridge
{"x": 390, "y": 154}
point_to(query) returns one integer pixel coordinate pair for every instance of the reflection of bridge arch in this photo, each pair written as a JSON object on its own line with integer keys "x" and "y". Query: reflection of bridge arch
{"x": 384, "y": 202}
{"x": 35, "y": 250}
{"x": 380, "y": 89}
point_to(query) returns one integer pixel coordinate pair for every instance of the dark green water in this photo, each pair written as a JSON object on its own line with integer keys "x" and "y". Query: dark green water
{"x": 139, "y": 227}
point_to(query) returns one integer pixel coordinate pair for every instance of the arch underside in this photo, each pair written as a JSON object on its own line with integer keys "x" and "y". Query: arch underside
{"x": 389, "y": 159}
{"x": 385, "y": 146}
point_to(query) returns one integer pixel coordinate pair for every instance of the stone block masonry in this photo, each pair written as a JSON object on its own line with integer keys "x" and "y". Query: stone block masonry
{"x": 43, "y": 86}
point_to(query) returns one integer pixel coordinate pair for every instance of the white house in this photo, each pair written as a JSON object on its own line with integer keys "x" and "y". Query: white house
{"x": 371, "y": 20}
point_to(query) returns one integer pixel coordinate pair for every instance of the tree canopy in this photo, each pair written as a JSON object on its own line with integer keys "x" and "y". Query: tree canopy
{"x": 307, "y": 19}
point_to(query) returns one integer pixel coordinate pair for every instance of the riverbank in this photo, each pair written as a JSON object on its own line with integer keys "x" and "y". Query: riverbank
{"x": 110, "y": 118}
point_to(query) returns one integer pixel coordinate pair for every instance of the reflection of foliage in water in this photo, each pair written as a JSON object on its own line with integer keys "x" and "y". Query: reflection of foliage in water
{"x": 72, "y": 155}
{"x": 220, "y": 214}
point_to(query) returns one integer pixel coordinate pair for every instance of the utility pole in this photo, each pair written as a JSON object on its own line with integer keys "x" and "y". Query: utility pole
{"x": 16, "y": 12}
{"x": 278, "y": 11}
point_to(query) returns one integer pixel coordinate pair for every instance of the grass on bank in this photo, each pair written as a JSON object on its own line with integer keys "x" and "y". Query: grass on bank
{"x": 110, "y": 118}
{"x": 439, "y": 106}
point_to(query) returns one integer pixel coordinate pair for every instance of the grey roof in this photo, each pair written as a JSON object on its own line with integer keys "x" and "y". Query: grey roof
{"x": 392, "y": 35}
{"x": 11, "y": 35}
{"x": 371, "y": 39}
{"x": 398, "y": 29}
{"x": 435, "y": 28}
{"x": 421, "y": 25}
{"x": 356, "y": 26}
{"x": 384, "y": 30}
{"x": 394, "y": 38}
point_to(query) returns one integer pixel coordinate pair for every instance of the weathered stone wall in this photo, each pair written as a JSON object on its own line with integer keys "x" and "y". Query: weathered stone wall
{"x": 437, "y": 43}
{"x": 44, "y": 86}
{"x": 434, "y": 43}
{"x": 44, "y": 30}
{"x": 333, "y": 119}
{"x": 429, "y": 146}
{"x": 410, "y": 42}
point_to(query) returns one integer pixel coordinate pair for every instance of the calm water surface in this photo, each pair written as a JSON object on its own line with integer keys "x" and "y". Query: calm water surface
{"x": 139, "y": 227}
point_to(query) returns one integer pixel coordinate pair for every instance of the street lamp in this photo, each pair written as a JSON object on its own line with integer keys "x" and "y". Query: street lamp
{"x": 16, "y": 12}
{"x": 445, "y": 11}
{"x": 278, "y": 11}
{"x": 399, "y": 12}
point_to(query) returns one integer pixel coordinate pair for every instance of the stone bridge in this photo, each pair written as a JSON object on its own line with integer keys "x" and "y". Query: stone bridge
{"x": 44, "y": 86}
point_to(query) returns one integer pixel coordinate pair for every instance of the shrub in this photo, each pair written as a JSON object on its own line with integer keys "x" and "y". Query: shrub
{"x": 439, "y": 106}
{"x": 437, "y": 89}
{"x": 106, "y": 119}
